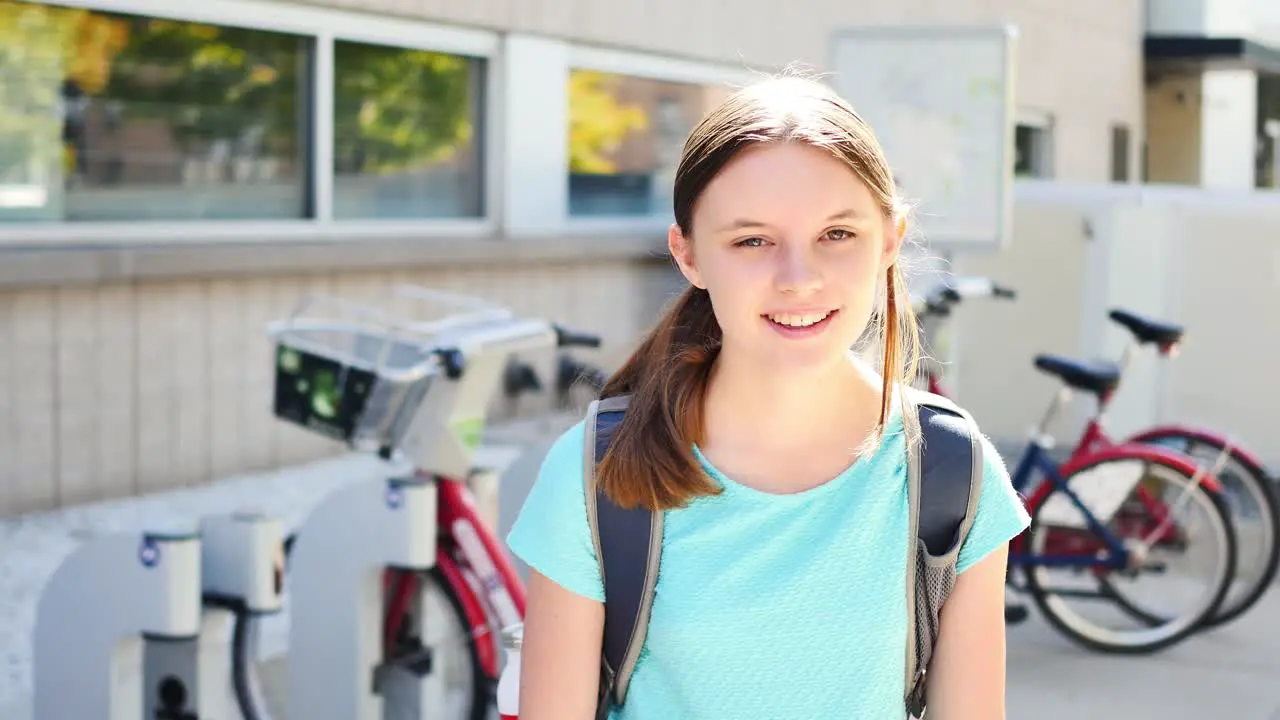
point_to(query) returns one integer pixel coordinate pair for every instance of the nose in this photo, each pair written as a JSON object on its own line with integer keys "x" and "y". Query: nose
{"x": 797, "y": 271}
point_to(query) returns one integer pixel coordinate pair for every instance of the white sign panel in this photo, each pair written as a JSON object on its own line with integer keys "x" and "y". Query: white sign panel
{"x": 941, "y": 102}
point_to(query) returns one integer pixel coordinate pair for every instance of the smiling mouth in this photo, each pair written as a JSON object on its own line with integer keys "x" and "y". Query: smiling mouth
{"x": 800, "y": 322}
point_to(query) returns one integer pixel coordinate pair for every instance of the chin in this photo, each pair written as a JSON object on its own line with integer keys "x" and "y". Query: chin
{"x": 810, "y": 361}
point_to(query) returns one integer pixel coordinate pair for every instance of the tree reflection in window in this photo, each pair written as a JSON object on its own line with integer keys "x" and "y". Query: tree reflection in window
{"x": 625, "y": 135}
{"x": 159, "y": 119}
{"x": 405, "y": 133}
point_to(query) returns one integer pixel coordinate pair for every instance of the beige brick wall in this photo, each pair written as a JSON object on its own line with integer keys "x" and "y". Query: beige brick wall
{"x": 1173, "y": 130}
{"x": 114, "y": 390}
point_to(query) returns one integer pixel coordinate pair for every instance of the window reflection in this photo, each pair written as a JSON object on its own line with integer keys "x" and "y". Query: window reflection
{"x": 625, "y": 138}
{"x": 119, "y": 117}
{"x": 406, "y": 139}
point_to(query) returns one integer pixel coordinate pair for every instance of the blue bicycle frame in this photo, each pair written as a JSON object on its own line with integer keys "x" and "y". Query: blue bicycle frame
{"x": 1036, "y": 457}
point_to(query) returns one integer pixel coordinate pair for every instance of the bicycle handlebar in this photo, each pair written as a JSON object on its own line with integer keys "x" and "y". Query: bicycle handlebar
{"x": 572, "y": 338}
{"x": 950, "y": 292}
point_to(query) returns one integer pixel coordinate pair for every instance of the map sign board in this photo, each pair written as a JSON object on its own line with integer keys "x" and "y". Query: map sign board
{"x": 941, "y": 102}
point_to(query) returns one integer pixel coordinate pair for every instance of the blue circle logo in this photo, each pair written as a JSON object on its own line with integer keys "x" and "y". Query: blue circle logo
{"x": 149, "y": 553}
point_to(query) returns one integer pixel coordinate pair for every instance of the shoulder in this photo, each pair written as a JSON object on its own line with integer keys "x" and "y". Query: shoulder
{"x": 917, "y": 399}
{"x": 998, "y": 513}
{"x": 996, "y": 509}
{"x": 945, "y": 414}
{"x": 551, "y": 532}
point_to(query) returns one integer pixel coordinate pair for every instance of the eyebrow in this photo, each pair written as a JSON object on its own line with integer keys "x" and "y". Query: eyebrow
{"x": 747, "y": 223}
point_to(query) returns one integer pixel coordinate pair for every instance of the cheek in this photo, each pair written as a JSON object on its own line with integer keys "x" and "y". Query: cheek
{"x": 737, "y": 292}
{"x": 859, "y": 272}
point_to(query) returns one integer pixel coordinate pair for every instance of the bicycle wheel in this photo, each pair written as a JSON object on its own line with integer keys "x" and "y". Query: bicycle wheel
{"x": 454, "y": 682}
{"x": 451, "y": 683}
{"x": 1058, "y": 530}
{"x": 1251, "y": 498}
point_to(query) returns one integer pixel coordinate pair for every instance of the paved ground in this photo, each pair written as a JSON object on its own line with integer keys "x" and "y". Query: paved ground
{"x": 1232, "y": 673}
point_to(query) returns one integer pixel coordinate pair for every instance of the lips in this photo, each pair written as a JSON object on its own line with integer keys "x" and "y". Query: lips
{"x": 800, "y": 324}
{"x": 798, "y": 319}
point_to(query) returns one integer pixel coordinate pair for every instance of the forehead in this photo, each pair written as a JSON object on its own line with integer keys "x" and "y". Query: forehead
{"x": 781, "y": 182}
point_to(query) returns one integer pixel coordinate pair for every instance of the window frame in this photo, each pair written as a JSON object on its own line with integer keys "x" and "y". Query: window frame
{"x": 322, "y": 26}
{"x": 1121, "y": 158}
{"x": 1044, "y": 162}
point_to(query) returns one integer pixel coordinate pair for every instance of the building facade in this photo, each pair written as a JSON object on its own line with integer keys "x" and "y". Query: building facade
{"x": 1213, "y": 92}
{"x": 173, "y": 176}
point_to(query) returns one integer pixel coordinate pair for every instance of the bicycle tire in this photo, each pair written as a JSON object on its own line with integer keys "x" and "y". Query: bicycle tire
{"x": 482, "y": 686}
{"x": 1174, "y": 631}
{"x": 1241, "y": 599}
{"x": 244, "y": 675}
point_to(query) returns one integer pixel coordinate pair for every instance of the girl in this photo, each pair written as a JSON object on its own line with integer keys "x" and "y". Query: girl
{"x": 777, "y": 455}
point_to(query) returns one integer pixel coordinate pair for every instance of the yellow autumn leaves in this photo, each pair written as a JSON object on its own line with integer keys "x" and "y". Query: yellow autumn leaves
{"x": 598, "y": 121}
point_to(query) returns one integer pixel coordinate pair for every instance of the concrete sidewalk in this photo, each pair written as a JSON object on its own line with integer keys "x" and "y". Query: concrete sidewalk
{"x": 1232, "y": 672}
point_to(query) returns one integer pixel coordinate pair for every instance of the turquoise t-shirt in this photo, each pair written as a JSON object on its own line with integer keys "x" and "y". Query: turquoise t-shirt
{"x": 768, "y": 606}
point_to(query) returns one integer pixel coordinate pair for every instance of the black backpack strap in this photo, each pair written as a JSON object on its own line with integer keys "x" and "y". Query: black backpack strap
{"x": 944, "y": 484}
{"x": 628, "y": 544}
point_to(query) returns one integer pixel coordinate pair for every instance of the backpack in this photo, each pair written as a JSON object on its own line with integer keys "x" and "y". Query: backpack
{"x": 944, "y": 473}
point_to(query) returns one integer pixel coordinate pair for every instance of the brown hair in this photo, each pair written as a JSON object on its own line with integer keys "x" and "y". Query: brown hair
{"x": 650, "y": 462}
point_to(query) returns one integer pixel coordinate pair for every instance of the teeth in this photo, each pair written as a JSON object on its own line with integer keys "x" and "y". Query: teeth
{"x": 799, "y": 320}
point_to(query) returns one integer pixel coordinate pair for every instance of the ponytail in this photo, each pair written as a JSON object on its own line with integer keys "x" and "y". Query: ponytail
{"x": 891, "y": 345}
{"x": 650, "y": 463}
{"x": 900, "y": 339}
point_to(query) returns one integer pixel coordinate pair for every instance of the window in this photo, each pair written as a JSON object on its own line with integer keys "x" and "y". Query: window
{"x": 1268, "y": 143}
{"x": 406, "y": 133}
{"x": 626, "y": 134}
{"x": 1031, "y": 147}
{"x": 107, "y": 117}
{"x": 1119, "y": 153}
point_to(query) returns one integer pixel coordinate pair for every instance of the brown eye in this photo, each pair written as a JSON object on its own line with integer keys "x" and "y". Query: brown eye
{"x": 838, "y": 234}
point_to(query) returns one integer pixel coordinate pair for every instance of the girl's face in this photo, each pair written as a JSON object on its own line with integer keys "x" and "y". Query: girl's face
{"x": 792, "y": 248}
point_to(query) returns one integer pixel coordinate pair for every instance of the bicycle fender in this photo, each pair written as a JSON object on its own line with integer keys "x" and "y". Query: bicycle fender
{"x": 1207, "y": 437}
{"x": 1149, "y": 453}
{"x": 474, "y": 612}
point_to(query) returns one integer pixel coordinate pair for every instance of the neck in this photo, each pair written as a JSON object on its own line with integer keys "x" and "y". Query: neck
{"x": 749, "y": 404}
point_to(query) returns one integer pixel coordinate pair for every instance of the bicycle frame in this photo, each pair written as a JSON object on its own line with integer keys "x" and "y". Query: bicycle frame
{"x": 1036, "y": 457}
{"x": 1092, "y": 448}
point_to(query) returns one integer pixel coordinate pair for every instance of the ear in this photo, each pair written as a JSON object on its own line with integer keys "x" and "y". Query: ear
{"x": 682, "y": 250}
{"x": 895, "y": 232}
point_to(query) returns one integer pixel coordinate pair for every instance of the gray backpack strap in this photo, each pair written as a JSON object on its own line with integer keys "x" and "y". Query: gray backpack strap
{"x": 944, "y": 482}
{"x": 628, "y": 544}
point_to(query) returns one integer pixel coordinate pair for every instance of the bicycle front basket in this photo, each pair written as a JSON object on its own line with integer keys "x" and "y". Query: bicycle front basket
{"x": 320, "y": 393}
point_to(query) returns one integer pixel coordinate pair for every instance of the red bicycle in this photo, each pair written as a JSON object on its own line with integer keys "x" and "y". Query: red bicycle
{"x": 441, "y": 627}
{"x": 1249, "y": 491}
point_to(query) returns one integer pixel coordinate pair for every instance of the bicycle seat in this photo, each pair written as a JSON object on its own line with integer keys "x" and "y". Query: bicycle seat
{"x": 1095, "y": 376}
{"x": 1148, "y": 330}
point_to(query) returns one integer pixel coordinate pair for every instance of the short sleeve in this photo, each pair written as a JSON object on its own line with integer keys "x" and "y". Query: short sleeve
{"x": 1000, "y": 516}
{"x": 551, "y": 533}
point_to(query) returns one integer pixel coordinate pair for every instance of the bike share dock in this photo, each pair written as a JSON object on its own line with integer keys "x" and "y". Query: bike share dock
{"x": 33, "y": 546}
